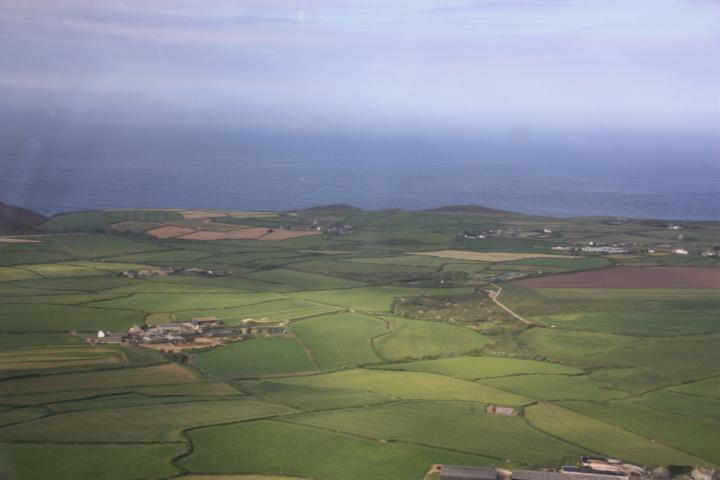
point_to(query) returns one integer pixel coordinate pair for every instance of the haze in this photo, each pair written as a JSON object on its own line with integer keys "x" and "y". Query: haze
{"x": 325, "y": 64}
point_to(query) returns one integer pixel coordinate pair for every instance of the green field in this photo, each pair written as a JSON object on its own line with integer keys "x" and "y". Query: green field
{"x": 363, "y": 360}
{"x": 73, "y": 461}
{"x": 272, "y": 311}
{"x": 158, "y": 423}
{"x": 410, "y": 386}
{"x": 340, "y": 340}
{"x": 451, "y": 425}
{"x": 471, "y": 368}
{"x": 275, "y": 448}
{"x": 415, "y": 339}
{"x": 262, "y": 356}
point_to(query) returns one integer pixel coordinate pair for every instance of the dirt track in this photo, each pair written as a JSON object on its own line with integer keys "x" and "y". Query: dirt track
{"x": 631, "y": 277}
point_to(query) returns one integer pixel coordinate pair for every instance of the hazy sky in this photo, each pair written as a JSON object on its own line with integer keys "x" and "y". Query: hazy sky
{"x": 357, "y": 64}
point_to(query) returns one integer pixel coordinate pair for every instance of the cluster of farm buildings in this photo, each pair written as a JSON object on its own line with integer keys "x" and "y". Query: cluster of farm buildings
{"x": 505, "y": 233}
{"x": 167, "y": 271}
{"x": 200, "y": 330}
{"x": 590, "y": 468}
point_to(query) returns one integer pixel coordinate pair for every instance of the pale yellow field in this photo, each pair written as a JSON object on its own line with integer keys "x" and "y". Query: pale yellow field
{"x": 487, "y": 256}
{"x": 18, "y": 240}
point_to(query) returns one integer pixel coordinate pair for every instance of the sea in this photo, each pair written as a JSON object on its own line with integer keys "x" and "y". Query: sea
{"x": 553, "y": 173}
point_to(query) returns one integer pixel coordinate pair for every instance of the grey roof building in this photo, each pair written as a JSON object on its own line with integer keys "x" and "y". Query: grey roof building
{"x": 457, "y": 472}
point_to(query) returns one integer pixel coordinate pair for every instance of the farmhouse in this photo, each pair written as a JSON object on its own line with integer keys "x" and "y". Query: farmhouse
{"x": 679, "y": 251}
{"x": 458, "y": 472}
{"x": 205, "y": 322}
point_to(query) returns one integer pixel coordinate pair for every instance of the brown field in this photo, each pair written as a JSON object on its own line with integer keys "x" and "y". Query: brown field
{"x": 631, "y": 277}
{"x": 487, "y": 256}
{"x": 241, "y": 234}
{"x": 169, "y": 232}
{"x": 285, "y": 234}
{"x": 136, "y": 226}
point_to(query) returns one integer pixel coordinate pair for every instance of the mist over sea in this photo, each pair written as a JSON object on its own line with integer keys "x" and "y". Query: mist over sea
{"x": 642, "y": 175}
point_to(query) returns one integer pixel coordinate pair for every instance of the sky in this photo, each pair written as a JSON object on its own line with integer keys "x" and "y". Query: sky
{"x": 356, "y": 65}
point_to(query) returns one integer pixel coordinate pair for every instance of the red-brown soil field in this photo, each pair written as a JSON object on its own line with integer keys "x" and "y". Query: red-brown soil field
{"x": 631, "y": 277}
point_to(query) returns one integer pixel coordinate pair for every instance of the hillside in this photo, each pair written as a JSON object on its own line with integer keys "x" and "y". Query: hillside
{"x": 12, "y": 217}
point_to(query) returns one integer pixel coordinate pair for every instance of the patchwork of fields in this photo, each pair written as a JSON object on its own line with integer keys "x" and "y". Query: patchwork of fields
{"x": 386, "y": 354}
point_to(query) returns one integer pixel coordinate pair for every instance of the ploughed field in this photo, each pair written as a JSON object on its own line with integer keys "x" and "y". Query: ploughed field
{"x": 372, "y": 352}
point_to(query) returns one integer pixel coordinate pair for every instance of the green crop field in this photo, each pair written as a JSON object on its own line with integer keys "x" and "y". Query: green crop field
{"x": 349, "y": 356}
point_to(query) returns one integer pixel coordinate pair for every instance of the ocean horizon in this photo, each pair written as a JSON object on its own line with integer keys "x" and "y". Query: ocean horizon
{"x": 637, "y": 176}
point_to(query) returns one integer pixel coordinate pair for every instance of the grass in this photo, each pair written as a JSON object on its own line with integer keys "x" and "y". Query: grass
{"x": 682, "y": 432}
{"x": 168, "y": 302}
{"x": 274, "y": 311}
{"x": 555, "y": 387}
{"x": 572, "y": 345}
{"x": 471, "y": 368}
{"x": 581, "y": 263}
{"x": 451, "y": 425}
{"x": 415, "y": 339}
{"x": 124, "y": 400}
{"x": 62, "y": 356}
{"x": 44, "y": 318}
{"x": 312, "y": 398}
{"x": 20, "y": 415}
{"x": 668, "y": 323}
{"x": 703, "y": 388}
{"x": 372, "y": 299}
{"x": 682, "y": 404}
{"x": 261, "y": 356}
{"x": 8, "y": 274}
{"x": 19, "y": 461}
{"x": 302, "y": 280}
{"x": 276, "y": 448}
{"x": 602, "y": 438}
{"x": 487, "y": 257}
{"x": 105, "y": 379}
{"x": 157, "y": 423}
{"x": 340, "y": 340}
{"x": 410, "y": 386}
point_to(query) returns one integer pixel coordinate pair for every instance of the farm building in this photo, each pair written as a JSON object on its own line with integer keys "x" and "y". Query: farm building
{"x": 701, "y": 473}
{"x": 567, "y": 473}
{"x": 458, "y": 472}
{"x": 205, "y": 322}
{"x": 612, "y": 465}
{"x": 499, "y": 410}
